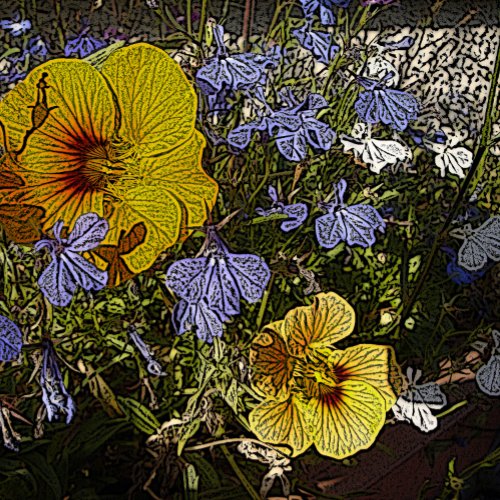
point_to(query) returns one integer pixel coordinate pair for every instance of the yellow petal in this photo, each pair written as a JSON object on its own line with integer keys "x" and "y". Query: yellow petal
{"x": 157, "y": 103}
{"x": 283, "y": 423}
{"x": 180, "y": 173}
{"x": 83, "y": 113}
{"x": 271, "y": 364}
{"x": 347, "y": 418}
{"x": 365, "y": 363}
{"x": 327, "y": 321}
{"x": 150, "y": 193}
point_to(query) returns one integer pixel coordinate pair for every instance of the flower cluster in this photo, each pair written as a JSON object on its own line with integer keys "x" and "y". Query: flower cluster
{"x": 315, "y": 393}
{"x": 212, "y": 285}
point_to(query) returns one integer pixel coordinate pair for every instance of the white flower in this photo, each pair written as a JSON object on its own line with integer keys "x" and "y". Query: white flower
{"x": 488, "y": 376}
{"x": 415, "y": 404}
{"x": 451, "y": 158}
{"x": 376, "y": 153}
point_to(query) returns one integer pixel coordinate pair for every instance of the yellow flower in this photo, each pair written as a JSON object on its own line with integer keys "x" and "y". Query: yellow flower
{"x": 317, "y": 394}
{"x": 119, "y": 142}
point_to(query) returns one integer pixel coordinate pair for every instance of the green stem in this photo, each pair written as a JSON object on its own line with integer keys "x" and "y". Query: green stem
{"x": 480, "y": 156}
{"x": 203, "y": 20}
{"x": 263, "y": 304}
{"x": 189, "y": 17}
{"x": 243, "y": 479}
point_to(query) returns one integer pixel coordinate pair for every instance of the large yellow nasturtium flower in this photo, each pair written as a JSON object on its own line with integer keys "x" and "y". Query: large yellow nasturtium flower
{"x": 316, "y": 394}
{"x": 120, "y": 142}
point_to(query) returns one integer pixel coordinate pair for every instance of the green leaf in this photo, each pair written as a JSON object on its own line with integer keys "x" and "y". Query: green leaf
{"x": 187, "y": 432}
{"x": 44, "y": 472}
{"x": 190, "y": 479}
{"x": 142, "y": 418}
{"x": 208, "y": 475}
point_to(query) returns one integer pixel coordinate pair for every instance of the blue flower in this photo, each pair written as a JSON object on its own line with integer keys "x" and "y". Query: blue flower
{"x": 55, "y": 397}
{"x": 297, "y": 212}
{"x": 381, "y": 104}
{"x": 318, "y": 42}
{"x": 68, "y": 269}
{"x": 38, "y": 48}
{"x": 13, "y": 72}
{"x": 294, "y": 126}
{"x": 325, "y": 8}
{"x": 153, "y": 366}
{"x": 354, "y": 224}
{"x": 234, "y": 71}
{"x": 16, "y": 26}
{"x": 83, "y": 45}
{"x": 457, "y": 274}
{"x": 212, "y": 285}
{"x": 11, "y": 340}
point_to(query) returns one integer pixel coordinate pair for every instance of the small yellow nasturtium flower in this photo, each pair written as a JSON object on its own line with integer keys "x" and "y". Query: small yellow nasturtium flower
{"x": 119, "y": 142}
{"x": 317, "y": 394}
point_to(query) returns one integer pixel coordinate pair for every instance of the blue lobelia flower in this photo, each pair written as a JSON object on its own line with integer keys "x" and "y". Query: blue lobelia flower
{"x": 458, "y": 274}
{"x": 68, "y": 269}
{"x": 198, "y": 317}
{"x": 56, "y": 398}
{"x": 38, "y": 48}
{"x": 83, "y": 45}
{"x": 354, "y": 224}
{"x": 378, "y": 103}
{"x": 294, "y": 126}
{"x": 325, "y": 8}
{"x": 297, "y": 212}
{"x": 11, "y": 340}
{"x": 229, "y": 72}
{"x": 153, "y": 366}
{"x": 16, "y": 26}
{"x": 318, "y": 42}
{"x": 212, "y": 285}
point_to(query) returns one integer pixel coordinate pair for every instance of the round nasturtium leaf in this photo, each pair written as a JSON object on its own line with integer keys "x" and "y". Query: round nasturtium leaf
{"x": 327, "y": 321}
{"x": 11, "y": 339}
{"x": 119, "y": 142}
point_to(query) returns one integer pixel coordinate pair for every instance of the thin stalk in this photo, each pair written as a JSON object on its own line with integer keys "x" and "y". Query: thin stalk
{"x": 263, "y": 304}
{"x": 247, "y": 22}
{"x": 203, "y": 20}
{"x": 480, "y": 156}
{"x": 243, "y": 479}
{"x": 189, "y": 17}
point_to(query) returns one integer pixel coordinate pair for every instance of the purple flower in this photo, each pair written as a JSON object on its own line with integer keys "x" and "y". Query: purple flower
{"x": 16, "y": 26}
{"x": 297, "y": 212}
{"x": 11, "y": 340}
{"x": 198, "y": 317}
{"x": 456, "y": 273}
{"x": 367, "y": 3}
{"x": 38, "y": 48}
{"x": 234, "y": 71}
{"x": 354, "y": 224}
{"x": 212, "y": 285}
{"x": 318, "y": 42}
{"x": 56, "y": 398}
{"x": 325, "y": 8}
{"x": 294, "y": 126}
{"x": 381, "y": 104}
{"x": 83, "y": 45}
{"x": 68, "y": 268}
{"x": 153, "y": 366}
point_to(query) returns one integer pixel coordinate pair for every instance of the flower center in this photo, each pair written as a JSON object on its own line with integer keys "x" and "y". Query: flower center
{"x": 98, "y": 164}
